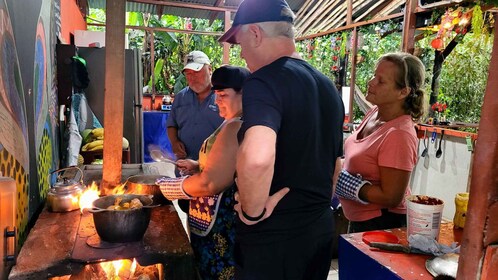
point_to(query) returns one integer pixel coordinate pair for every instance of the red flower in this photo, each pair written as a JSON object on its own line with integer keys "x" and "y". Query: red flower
{"x": 334, "y": 57}
{"x": 439, "y": 107}
{"x": 335, "y": 68}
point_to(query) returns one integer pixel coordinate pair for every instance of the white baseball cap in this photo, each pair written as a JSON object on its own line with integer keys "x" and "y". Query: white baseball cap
{"x": 195, "y": 60}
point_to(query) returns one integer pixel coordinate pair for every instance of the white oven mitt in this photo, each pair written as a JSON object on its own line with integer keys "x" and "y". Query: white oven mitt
{"x": 348, "y": 186}
{"x": 172, "y": 188}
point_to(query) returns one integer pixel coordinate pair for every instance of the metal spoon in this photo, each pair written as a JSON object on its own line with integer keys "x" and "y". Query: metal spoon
{"x": 160, "y": 156}
{"x": 426, "y": 150}
{"x": 439, "y": 151}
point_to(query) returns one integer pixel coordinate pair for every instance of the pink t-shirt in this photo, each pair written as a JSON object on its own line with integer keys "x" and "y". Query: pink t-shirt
{"x": 392, "y": 145}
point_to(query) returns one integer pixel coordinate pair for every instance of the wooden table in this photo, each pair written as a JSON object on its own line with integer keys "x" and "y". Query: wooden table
{"x": 48, "y": 249}
{"x": 357, "y": 260}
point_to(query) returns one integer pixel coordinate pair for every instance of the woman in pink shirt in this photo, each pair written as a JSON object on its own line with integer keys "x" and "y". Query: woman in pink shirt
{"x": 381, "y": 154}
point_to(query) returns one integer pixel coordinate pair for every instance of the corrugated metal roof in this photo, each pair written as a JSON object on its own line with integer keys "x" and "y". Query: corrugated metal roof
{"x": 313, "y": 16}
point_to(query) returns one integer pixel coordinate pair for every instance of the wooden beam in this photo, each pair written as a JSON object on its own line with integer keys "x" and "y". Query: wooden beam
{"x": 318, "y": 15}
{"x": 303, "y": 8}
{"x": 350, "y": 26}
{"x": 165, "y": 29}
{"x": 408, "y": 38}
{"x": 184, "y": 5}
{"x": 308, "y": 16}
{"x": 352, "y": 85}
{"x": 333, "y": 20}
{"x": 483, "y": 189}
{"x": 213, "y": 15}
{"x": 349, "y": 17}
{"x": 113, "y": 94}
{"x": 369, "y": 10}
{"x": 226, "y": 46}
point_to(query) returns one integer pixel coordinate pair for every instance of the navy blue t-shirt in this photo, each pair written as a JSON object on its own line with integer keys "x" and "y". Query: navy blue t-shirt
{"x": 305, "y": 110}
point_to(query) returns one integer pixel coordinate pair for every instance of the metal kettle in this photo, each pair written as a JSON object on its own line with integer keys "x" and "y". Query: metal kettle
{"x": 65, "y": 194}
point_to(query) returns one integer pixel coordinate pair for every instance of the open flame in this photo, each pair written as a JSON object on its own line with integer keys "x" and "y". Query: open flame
{"x": 93, "y": 192}
{"x": 120, "y": 269}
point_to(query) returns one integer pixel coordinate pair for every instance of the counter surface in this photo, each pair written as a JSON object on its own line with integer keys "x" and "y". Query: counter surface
{"x": 357, "y": 260}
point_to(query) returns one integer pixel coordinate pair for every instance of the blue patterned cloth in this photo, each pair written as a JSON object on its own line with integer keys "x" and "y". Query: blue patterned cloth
{"x": 348, "y": 186}
{"x": 214, "y": 251}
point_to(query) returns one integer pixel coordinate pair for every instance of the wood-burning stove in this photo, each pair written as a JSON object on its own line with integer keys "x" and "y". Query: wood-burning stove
{"x": 62, "y": 244}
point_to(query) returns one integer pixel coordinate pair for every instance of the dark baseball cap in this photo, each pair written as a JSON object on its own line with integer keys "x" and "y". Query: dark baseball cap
{"x": 229, "y": 77}
{"x": 252, "y": 11}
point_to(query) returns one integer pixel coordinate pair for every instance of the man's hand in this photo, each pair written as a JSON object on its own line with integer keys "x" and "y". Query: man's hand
{"x": 179, "y": 149}
{"x": 270, "y": 205}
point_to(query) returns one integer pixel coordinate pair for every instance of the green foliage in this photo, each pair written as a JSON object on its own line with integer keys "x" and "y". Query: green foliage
{"x": 463, "y": 77}
{"x": 170, "y": 48}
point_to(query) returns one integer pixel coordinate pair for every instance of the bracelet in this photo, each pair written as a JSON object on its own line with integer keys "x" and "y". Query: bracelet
{"x": 253, "y": 219}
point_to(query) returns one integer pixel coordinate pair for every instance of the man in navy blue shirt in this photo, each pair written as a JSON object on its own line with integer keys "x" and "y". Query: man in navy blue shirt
{"x": 194, "y": 114}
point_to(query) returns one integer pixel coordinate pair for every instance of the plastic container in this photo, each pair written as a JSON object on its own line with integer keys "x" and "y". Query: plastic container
{"x": 461, "y": 203}
{"x": 424, "y": 214}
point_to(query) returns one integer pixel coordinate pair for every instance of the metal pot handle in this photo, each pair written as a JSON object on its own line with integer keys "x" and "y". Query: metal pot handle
{"x": 151, "y": 206}
{"x": 66, "y": 168}
{"x": 96, "y": 210}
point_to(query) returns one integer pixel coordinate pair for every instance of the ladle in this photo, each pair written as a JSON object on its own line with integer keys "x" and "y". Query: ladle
{"x": 439, "y": 151}
{"x": 424, "y": 152}
{"x": 159, "y": 155}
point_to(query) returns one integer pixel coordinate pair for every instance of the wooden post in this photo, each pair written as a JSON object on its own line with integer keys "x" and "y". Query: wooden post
{"x": 408, "y": 43}
{"x": 352, "y": 86}
{"x": 481, "y": 225}
{"x": 226, "y": 46}
{"x": 113, "y": 94}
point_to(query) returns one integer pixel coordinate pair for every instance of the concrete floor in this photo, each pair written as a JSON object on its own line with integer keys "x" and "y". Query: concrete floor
{"x": 334, "y": 267}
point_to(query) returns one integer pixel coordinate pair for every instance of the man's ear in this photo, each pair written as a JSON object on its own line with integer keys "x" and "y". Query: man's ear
{"x": 256, "y": 34}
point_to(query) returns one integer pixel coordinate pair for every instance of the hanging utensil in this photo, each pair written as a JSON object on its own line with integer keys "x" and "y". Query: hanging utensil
{"x": 426, "y": 142}
{"x": 439, "y": 151}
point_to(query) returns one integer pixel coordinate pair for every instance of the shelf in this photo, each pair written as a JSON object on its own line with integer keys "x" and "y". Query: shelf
{"x": 448, "y": 130}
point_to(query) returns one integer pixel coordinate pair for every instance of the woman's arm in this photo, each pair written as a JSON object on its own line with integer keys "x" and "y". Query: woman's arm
{"x": 390, "y": 191}
{"x": 219, "y": 171}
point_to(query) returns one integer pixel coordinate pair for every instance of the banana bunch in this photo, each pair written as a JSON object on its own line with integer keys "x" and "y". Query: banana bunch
{"x": 93, "y": 140}
{"x": 96, "y": 145}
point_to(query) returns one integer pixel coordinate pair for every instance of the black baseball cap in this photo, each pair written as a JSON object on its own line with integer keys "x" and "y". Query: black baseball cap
{"x": 229, "y": 77}
{"x": 252, "y": 11}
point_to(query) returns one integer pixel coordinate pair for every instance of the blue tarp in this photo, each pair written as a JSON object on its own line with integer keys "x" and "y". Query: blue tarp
{"x": 154, "y": 129}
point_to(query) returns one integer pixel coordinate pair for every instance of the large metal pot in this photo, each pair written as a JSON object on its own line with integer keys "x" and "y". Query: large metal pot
{"x": 146, "y": 184}
{"x": 119, "y": 226}
{"x": 64, "y": 195}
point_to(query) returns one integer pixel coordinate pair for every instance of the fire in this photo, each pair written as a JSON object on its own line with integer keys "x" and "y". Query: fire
{"x": 89, "y": 196}
{"x": 120, "y": 269}
{"x": 93, "y": 192}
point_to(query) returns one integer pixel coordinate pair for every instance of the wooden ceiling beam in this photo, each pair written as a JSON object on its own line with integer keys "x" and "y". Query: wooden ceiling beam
{"x": 366, "y": 22}
{"x": 308, "y": 15}
{"x": 303, "y": 8}
{"x": 335, "y": 19}
{"x": 319, "y": 15}
{"x": 387, "y": 8}
{"x": 185, "y": 5}
{"x": 213, "y": 15}
{"x": 368, "y": 12}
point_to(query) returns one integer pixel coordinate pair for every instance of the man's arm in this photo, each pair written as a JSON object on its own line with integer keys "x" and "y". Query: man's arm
{"x": 177, "y": 145}
{"x": 255, "y": 167}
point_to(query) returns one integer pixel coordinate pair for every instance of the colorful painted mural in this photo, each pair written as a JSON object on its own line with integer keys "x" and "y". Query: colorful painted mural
{"x": 14, "y": 153}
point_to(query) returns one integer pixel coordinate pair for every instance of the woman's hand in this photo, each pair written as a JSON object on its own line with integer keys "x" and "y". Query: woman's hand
{"x": 270, "y": 205}
{"x": 187, "y": 166}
